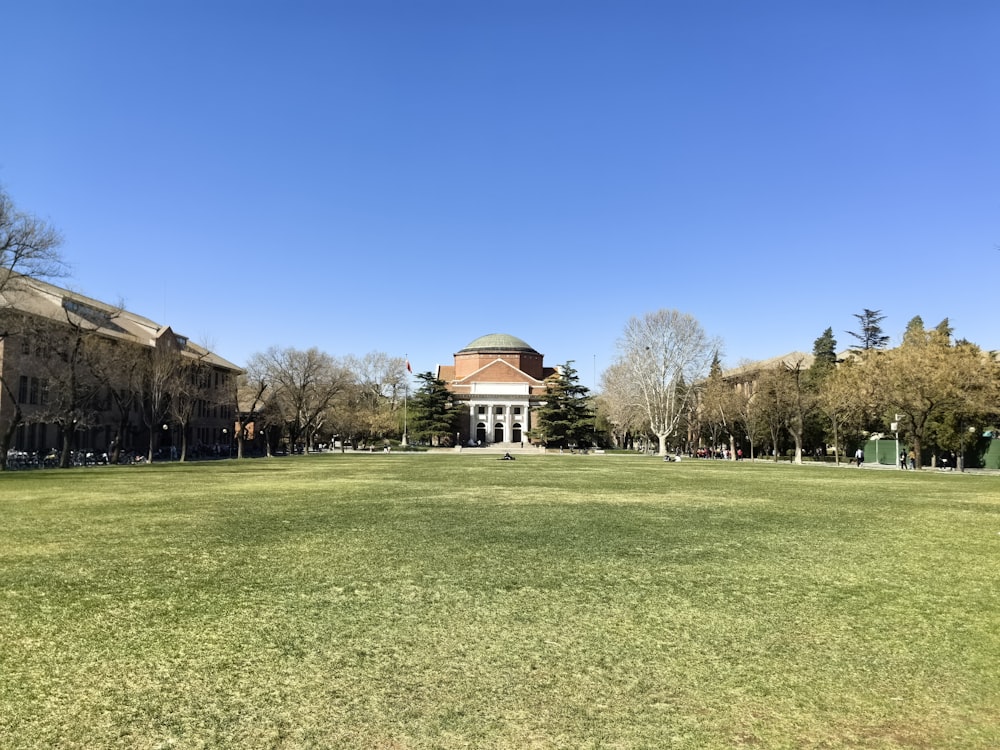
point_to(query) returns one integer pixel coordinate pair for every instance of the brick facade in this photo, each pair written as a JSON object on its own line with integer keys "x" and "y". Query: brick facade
{"x": 499, "y": 380}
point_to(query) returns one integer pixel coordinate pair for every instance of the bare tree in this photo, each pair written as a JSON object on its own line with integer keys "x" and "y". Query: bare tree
{"x": 381, "y": 380}
{"x": 250, "y": 401}
{"x": 305, "y": 384}
{"x": 666, "y": 355}
{"x": 801, "y": 402}
{"x": 718, "y": 407}
{"x": 190, "y": 389}
{"x": 28, "y": 249}
{"x": 772, "y": 404}
{"x": 619, "y": 405}
{"x": 13, "y": 417}
{"x": 119, "y": 367}
{"x": 160, "y": 372}
{"x": 749, "y": 411}
{"x": 70, "y": 390}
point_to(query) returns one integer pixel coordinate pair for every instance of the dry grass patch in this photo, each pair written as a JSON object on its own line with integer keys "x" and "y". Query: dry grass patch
{"x": 457, "y": 601}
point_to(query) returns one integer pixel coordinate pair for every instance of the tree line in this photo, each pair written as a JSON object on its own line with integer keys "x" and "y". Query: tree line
{"x": 938, "y": 393}
{"x": 666, "y": 386}
{"x": 296, "y": 400}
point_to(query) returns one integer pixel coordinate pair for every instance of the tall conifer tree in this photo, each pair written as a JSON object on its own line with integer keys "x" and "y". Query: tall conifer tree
{"x": 431, "y": 407}
{"x": 566, "y": 418}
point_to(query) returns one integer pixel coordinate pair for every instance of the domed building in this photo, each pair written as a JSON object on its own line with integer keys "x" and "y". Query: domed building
{"x": 498, "y": 379}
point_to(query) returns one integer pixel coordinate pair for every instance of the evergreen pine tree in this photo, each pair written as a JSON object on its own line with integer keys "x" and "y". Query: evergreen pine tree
{"x": 915, "y": 332}
{"x": 823, "y": 366}
{"x": 567, "y": 418}
{"x": 825, "y": 352}
{"x": 871, "y": 335}
{"x": 431, "y": 407}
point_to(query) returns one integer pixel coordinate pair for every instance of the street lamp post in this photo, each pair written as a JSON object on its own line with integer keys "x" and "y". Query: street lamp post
{"x": 225, "y": 439}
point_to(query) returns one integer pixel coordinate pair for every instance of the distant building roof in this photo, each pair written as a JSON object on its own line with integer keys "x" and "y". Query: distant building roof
{"x": 44, "y": 300}
{"x": 498, "y": 342}
{"x": 787, "y": 360}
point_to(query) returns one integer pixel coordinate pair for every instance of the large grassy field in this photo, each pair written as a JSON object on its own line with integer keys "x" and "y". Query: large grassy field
{"x": 442, "y": 601}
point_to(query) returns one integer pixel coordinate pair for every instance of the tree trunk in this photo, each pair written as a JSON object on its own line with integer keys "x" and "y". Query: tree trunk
{"x": 5, "y": 441}
{"x": 916, "y": 452}
{"x": 797, "y": 437}
{"x": 67, "y": 444}
{"x": 795, "y": 430}
{"x": 116, "y": 444}
{"x": 8, "y": 434}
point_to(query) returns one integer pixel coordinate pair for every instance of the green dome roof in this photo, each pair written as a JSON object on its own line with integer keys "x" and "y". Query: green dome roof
{"x": 499, "y": 342}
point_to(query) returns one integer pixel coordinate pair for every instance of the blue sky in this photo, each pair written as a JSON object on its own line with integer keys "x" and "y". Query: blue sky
{"x": 408, "y": 176}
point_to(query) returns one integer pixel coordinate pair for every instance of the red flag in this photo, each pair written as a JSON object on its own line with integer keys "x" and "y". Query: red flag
{"x": 408, "y": 368}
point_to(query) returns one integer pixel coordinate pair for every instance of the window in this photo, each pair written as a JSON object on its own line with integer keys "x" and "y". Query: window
{"x": 498, "y": 410}
{"x": 33, "y": 396}
{"x": 22, "y": 390}
{"x": 517, "y": 410}
{"x": 100, "y": 318}
{"x": 481, "y": 410}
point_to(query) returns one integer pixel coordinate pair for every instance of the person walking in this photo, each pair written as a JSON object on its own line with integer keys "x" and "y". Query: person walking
{"x": 859, "y": 456}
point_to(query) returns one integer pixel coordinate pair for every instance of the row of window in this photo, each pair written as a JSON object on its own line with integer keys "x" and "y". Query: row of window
{"x": 33, "y": 390}
{"x": 212, "y": 411}
{"x": 197, "y": 377}
{"x": 36, "y": 391}
{"x": 204, "y": 380}
{"x": 515, "y": 410}
{"x": 41, "y": 347}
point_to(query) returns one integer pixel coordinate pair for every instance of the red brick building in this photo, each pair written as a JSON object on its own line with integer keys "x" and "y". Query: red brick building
{"x": 499, "y": 379}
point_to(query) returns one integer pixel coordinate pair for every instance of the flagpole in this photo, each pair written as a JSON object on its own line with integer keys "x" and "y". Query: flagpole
{"x": 406, "y": 388}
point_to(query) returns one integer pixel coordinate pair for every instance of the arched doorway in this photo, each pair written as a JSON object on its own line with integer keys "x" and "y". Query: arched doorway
{"x": 498, "y": 432}
{"x": 481, "y": 433}
{"x": 515, "y": 433}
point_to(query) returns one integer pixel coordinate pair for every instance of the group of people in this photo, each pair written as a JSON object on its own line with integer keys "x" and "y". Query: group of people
{"x": 720, "y": 453}
{"x": 903, "y": 458}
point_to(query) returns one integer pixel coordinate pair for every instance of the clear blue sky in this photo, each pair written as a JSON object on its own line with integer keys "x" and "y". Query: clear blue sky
{"x": 407, "y": 176}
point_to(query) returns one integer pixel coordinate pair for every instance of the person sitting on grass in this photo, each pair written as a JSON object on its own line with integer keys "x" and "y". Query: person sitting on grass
{"x": 507, "y": 457}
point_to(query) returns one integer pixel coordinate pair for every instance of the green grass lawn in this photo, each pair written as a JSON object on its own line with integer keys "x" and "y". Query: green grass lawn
{"x": 443, "y": 601}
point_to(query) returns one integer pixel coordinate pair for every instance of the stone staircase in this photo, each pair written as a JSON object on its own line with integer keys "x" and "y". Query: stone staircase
{"x": 513, "y": 449}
